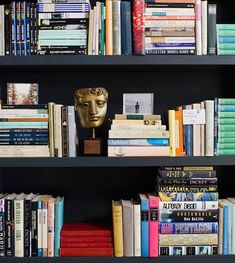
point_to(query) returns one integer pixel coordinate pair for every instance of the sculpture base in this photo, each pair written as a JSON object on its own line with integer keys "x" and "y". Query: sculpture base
{"x": 93, "y": 146}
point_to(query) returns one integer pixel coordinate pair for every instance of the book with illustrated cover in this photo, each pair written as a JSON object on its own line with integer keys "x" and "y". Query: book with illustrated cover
{"x": 22, "y": 93}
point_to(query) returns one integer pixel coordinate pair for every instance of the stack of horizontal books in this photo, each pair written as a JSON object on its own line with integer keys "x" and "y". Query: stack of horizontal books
{"x": 225, "y": 39}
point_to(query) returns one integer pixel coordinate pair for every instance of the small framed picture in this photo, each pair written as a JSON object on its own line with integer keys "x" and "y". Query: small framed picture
{"x": 138, "y": 103}
{"x": 22, "y": 93}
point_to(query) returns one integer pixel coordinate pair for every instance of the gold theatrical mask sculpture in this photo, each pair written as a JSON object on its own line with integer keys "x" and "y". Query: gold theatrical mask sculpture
{"x": 91, "y": 106}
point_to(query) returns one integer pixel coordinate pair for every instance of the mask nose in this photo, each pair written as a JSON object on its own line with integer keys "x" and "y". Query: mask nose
{"x": 93, "y": 108}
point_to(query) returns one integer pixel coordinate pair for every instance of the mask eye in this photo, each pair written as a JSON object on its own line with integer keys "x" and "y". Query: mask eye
{"x": 84, "y": 105}
{"x": 100, "y": 103}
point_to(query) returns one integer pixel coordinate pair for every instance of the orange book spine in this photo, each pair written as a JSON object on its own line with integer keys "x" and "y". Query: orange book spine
{"x": 109, "y": 28}
{"x": 179, "y": 131}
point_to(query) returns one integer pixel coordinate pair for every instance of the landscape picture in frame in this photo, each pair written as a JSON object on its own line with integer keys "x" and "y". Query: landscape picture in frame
{"x": 22, "y": 93}
{"x": 138, "y": 103}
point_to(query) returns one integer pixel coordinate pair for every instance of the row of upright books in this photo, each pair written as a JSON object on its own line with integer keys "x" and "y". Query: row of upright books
{"x": 113, "y": 27}
{"x": 43, "y": 130}
{"x": 30, "y": 225}
{"x": 206, "y": 128}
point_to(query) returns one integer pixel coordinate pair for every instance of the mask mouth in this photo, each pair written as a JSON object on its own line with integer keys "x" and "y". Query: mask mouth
{"x": 94, "y": 118}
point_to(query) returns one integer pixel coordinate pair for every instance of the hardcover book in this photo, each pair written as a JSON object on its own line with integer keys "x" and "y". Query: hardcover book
{"x": 22, "y": 93}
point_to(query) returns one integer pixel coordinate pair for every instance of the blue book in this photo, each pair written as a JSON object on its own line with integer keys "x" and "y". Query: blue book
{"x": 188, "y": 134}
{"x": 226, "y": 39}
{"x": 144, "y": 203}
{"x": 59, "y": 221}
{"x": 226, "y": 225}
{"x": 13, "y": 28}
{"x": 27, "y": 30}
{"x": 225, "y": 108}
{"x": 23, "y": 27}
{"x": 126, "y": 38}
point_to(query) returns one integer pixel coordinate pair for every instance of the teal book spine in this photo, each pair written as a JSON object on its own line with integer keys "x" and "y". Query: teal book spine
{"x": 225, "y": 121}
{"x": 226, "y": 115}
{"x": 59, "y": 220}
{"x": 24, "y": 125}
{"x": 226, "y": 127}
{"x": 144, "y": 228}
{"x": 223, "y": 146}
{"x": 225, "y": 228}
{"x": 226, "y": 140}
{"x": 102, "y": 43}
{"x": 225, "y": 108}
{"x": 227, "y": 134}
{"x": 225, "y": 27}
{"x": 226, "y": 101}
{"x": 225, "y": 152}
{"x": 229, "y": 52}
{"x": 62, "y": 42}
{"x": 226, "y": 39}
{"x": 222, "y": 46}
{"x": 226, "y": 33}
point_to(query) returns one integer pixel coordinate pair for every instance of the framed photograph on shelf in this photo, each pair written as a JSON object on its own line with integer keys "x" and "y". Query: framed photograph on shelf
{"x": 138, "y": 103}
{"x": 22, "y": 93}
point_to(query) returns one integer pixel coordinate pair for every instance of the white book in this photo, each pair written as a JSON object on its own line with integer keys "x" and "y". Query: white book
{"x": 196, "y": 134}
{"x": 116, "y": 7}
{"x": 198, "y": 27}
{"x": 204, "y": 27}
{"x": 98, "y": 18}
{"x": 72, "y": 132}
{"x": 138, "y": 127}
{"x": 202, "y": 130}
{"x": 137, "y": 230}
{"x": 138, "y": 134}
{"x": 57, "y": 130}
{"x": 2, "y": 30}
{"x": 209, "y": 149}
{"x": 19, "y": 225}
{"x": 90, "y": 33}
{"x": 94, "y": 35}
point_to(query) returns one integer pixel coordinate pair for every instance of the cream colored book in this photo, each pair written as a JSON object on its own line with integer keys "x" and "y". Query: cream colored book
{"x": 90, "y": 33}
{"x": 202, "y": 134}
{"x": 51, "y": 128}
{"x": 108, "y": 28}
{"x": 196, "y": 134}
{"x": 204, "y": 27}
{"x": 209, "y": 134}
{"x": 172, "y": 133}
{"x": 138, "y": 134}
{"x": 137, "y": 122}
{"x": 138, "y": 127}
{"x": 57, "y": 130}
{"x": 137, "y": 229}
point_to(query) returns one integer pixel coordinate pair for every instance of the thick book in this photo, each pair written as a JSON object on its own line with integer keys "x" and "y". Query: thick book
{"x": 86, "y": 230}
{"x": 59, "y": 220}
{"x": 212, "y": 29}
{"x": 144, "y": 204}
{"x": 200, "y": 196}
{"x": 80, "y": 252}
{"x": 190, "y": 205}
{"x": 126, "y": 29}
{"x": 79, "y": 240}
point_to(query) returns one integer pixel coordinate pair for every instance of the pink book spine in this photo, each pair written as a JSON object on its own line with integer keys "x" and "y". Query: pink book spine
{"x": 153, "y": 225}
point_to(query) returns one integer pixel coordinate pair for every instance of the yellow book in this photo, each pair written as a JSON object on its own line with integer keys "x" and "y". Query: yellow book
{"x": 171, "y": 119}
{"x": 108, "y": 28}
{"x": 117, "y": 228}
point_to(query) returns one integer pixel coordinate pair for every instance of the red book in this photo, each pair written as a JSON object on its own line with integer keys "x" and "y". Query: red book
{"x": 86, "y": 230}
{"x": 86, "y": 239}
{"x": 80, "y": 245}
{"x": 86, "y": 252}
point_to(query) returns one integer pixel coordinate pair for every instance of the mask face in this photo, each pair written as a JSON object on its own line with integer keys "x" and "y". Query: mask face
{"x": 91, "y": 109}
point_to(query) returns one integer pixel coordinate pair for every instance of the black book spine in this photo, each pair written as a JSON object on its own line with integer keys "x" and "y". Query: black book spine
{"x": 34, "y": 229}
{"x": 2, "y": 228}
{"x": 64, "y": 125}
{"x": 211, "y": 29}
{"x": 7, "y": 29}
{"x": 9, "y": 228}
{"x": 187, "y": 181}
{"x": 27, "y": 228}
{"x": 35, "y": 29}
{"x": 187, "y": 174}
{"x": 187, "y": 188}
{"x": 28, "y": 106}
{"x": 168, "y": 5}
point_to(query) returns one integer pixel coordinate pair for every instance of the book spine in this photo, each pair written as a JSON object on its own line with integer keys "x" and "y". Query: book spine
{"x": 51, "y": 128}
{"x": 34, "y": 229}
{"x": 199, "y": 196}
{"x": 212, "y": 29}
{"x": 59, "y": 220}
{"x": 108, "y": 28}
{"x": 7, "y": 29}
{"x": 2, "y": 227}
{"x": 153, "y": 226}
{"x": 221, "y": 231}
{"x": 188, "y": 228}
{"x": 209, "y": 105}
{"x": 188, "y": 181}
{"x": 169, "y": 216}
{"x": 126, "y": 38}
{"x": 39, "y": 227}
{"x": 144, "y": 228}
{"x": 64, "y": 127}
{"x": 187, "y": 250}
{"x": 187, "y": 174}
{"x": 27, "y": 228}
{"x": 27, "y": 30}
{"x": 50, "y": 231}
{"x": 57, "y": 131}
{"x": 80, "y": 252}
{"x": 23, "y": 27}
{"x": 28, "y": 107}
{"x": 2, "y": 31}
{"x": 190, "y": 205}
{"x": 13, "y": 29}
{"x": 204, "y": 26}
{"x": 187, "y": 188}
{"x": 196, "y": 134}
{"x": 198, "y": 27}
{"x": 9, "y": 228}
{"x": 72, "y": 132}
{"x": 137, "y": 230}
{"x": 172, "y": 133}
{"x": 179, "y": 131}
{"x": 44, "y": 228}
{"x": 116, "y": 7}
{"x": 138, "y": 27}
{"x": 188, "y": 135}
{"x": 202, "y": 133}
{"x": 58, "y": 7}
{"x": 35, "y": 41}
{"x": 18, "y": 29}
{"x": 19, "y": 227}
{"x": 188, "y": 239}
{"x": 225, "y": 231}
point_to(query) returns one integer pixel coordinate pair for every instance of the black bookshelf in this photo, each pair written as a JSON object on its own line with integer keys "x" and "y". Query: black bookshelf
{"x": 127, "y": 61}
{"x": 117, "y": 161}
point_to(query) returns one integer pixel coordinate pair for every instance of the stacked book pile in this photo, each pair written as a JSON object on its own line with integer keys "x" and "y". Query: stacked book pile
{"x": 188, "y": 211}
{"x": 226, "y": 226}
{"x": 24, "y": 131}
{"x": 170, "y": 27}
{"x": 86, "y": 239}
{"x": 30, "y": 225}
{"x": 225, "y": 126}
{"x": 135, "y": 226}
{"x": 110, "y": 31}
{"x": 225, "y": 39}
{"x": 62, "y": 27}
{"x": 62, "y": 130}
{"x": 138, "y": 135}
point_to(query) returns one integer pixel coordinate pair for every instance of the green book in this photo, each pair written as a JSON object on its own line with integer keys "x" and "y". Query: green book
{"x": 226, "y": 114}
{"x": 226, "y": 101}
{"x": 226, "y": 33}
{"x": 222, "y": 146}
{"x": 225, "y": 27}
{"x": 102, "y": 46}
{"x": 227, "y": 46}
{"x": 226, "y": 152}
{"x": 226, "y": 128}
{"x": 226, "y": 134}
{"x": 226, "y": 140}
{"x": 222, "y": 121}
{"x": 228, "y": 52}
